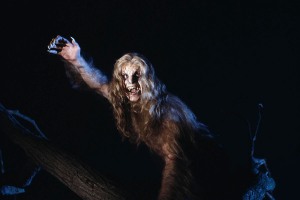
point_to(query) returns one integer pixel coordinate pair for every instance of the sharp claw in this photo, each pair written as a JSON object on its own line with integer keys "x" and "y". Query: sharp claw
{"x": 57, "y": 44}
{"x": 50, "y": 46}
{"x": 52, "y": 51}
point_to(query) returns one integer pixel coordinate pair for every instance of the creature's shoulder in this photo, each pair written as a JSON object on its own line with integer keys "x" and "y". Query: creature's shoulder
{"x": 173, "y": 106}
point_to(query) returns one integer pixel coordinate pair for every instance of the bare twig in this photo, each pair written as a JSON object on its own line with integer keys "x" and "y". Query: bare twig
{"x": 12, "y": 113}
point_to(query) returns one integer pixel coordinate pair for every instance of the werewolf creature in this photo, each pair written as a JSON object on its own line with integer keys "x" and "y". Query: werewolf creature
{"x": 146, "y": 113}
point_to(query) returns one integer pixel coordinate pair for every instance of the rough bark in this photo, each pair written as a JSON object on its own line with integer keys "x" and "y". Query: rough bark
{"x": 80, "y": 178}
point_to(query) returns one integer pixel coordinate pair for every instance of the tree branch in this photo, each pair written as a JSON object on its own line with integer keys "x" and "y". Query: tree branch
{"x": 80, "y": 178}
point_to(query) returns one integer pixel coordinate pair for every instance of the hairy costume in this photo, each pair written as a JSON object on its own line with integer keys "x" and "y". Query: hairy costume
{"x": 146, "y": 113}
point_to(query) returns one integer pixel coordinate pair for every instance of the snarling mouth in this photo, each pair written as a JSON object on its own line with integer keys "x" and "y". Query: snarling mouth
{"x": 133, "y": 90}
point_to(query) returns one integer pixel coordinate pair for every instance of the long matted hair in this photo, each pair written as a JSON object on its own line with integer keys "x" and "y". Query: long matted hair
{"x": 155, "y": 102}
{"x": 151, "y": 88}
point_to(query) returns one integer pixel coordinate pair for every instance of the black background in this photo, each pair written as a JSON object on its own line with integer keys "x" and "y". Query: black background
{"x": 221, "y": 58}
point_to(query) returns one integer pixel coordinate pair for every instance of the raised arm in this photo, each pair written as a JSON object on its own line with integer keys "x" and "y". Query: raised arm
{"x": 78, "y": 69}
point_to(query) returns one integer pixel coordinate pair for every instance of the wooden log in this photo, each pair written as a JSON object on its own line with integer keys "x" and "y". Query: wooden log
{"x": 77, "y": 176}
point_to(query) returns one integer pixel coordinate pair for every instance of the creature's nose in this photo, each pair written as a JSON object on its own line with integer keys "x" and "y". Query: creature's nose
{"x": 130, "y": 80}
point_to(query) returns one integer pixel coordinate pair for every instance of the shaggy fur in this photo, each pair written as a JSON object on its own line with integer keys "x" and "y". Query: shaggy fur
{"x": 169, "y": 128}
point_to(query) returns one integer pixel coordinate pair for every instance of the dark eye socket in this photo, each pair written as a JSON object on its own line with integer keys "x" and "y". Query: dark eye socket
{"x": 137, "y": 74}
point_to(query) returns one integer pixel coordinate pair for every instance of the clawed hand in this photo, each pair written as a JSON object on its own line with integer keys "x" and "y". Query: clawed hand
{"x": 57, "y": 44}
{"x": 70, "y": 51}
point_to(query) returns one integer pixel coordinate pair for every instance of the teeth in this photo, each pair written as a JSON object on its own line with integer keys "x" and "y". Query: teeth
{"x": 130, "y": 89}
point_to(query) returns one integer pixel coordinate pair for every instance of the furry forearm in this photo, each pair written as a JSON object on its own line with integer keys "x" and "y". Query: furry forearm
{"x": 80, "y": 73}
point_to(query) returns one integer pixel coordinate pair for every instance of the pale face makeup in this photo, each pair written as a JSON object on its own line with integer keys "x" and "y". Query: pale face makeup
{"x": 131, "y": 78}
